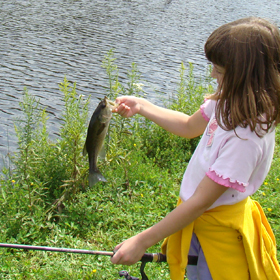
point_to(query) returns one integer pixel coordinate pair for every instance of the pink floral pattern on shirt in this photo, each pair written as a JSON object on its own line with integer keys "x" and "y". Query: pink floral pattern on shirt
{"x": 213, "y": 125}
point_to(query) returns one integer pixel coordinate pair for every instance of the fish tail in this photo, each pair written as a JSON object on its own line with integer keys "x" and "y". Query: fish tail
{"x": 95, "y": 177}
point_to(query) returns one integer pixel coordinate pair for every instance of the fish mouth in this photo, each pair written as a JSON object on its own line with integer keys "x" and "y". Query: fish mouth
{"x": 111, "y": 104}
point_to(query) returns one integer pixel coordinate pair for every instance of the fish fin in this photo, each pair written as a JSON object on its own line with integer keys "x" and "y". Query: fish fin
{"x": 85, "y": 150}
{"x": 95, "y": 177}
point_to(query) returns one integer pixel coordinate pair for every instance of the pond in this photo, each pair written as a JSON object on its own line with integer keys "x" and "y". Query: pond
{"x": 41, "y": 41}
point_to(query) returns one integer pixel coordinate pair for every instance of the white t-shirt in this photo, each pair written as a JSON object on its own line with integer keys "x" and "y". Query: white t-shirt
{"x": 239, "y": 163}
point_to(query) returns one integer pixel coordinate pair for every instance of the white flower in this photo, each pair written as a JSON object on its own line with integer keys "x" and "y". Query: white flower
{"x": 138, "y": 86}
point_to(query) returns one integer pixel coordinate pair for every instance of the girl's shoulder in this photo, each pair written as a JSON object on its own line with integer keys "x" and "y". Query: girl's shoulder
{"x": 207, "y": 109}
{"x": 259, "y": 135}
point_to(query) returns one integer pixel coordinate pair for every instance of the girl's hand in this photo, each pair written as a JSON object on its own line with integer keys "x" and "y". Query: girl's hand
{"x": 129, "y": 252}
{"x": 128, "y": 106}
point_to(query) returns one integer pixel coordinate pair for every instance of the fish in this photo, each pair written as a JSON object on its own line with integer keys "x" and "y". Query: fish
{"x": 96, "y": 133}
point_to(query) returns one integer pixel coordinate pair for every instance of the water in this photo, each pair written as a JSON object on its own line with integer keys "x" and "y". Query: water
{"x": 42, "y": 41}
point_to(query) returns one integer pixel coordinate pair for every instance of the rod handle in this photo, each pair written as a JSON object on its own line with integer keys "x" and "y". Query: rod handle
{"x": 153, "y": 257}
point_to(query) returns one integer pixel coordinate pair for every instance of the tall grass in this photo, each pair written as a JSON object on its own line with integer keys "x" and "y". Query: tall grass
{"x": 45, "y": 200}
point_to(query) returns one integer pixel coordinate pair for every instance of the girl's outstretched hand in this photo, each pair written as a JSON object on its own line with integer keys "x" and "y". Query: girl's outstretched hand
{"x": 129, "y": 252}
{"x": 128, "y": 106}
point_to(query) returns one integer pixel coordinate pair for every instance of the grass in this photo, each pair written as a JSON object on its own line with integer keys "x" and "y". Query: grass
{"x": 44, "y": 199}
{"x": 268, "y": 194}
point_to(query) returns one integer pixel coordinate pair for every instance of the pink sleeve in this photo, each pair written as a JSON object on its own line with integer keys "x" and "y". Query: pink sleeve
{"x": 227, "y": 182}
{"x": 207, "y": 108}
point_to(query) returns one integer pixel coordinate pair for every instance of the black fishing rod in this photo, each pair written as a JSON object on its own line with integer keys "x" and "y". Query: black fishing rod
{"x": 147, "y": 257}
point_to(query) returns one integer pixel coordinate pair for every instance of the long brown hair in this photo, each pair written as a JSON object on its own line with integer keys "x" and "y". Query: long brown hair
{"x": 249, "y": 51}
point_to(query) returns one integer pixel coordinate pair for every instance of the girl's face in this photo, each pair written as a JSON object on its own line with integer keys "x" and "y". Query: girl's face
{"x": 218, "y": 73}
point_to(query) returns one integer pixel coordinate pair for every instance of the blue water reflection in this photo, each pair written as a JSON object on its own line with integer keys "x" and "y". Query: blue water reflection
{"x": 41, "y": 41}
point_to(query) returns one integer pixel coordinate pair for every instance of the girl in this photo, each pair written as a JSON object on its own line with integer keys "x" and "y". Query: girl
{"x": 215, "y": 218}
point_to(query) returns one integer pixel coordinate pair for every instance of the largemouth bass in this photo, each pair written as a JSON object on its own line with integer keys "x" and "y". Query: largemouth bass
{"x": 96, "y": 133}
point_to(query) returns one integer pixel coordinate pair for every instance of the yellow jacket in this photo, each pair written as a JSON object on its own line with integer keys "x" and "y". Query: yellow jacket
{"x": 224, "y": 229}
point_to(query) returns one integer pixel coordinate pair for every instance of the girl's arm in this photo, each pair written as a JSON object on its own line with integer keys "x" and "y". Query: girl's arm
{"x": 175, "y": 122}
{"x": 131, "y": 250}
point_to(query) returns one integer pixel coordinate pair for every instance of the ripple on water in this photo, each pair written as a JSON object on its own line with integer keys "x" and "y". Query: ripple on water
{"x": 42, "y": 41}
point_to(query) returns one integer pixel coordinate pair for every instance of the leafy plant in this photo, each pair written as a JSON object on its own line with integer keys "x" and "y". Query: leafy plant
{"x": 70, "y": 145}
{"x": 169, "y": 150}
{"x": 32, "y": 136}
{"x": 51, "y": 171}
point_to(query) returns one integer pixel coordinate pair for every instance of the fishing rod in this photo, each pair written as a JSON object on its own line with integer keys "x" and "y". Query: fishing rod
{"x": 147, "y": 257}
